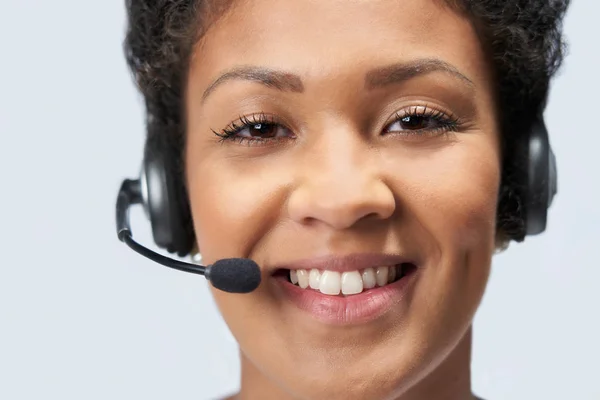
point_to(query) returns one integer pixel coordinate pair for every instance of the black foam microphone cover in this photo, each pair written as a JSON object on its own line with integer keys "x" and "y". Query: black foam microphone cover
{"x": 234, "y": 275}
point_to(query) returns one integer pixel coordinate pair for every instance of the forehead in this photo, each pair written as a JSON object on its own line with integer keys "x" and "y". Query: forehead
{"x": 331, "y": 40}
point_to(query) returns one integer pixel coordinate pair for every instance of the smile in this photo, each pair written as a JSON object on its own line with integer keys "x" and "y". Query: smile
{"x": 347, "y": 290}
{"x": 347, "y": 283}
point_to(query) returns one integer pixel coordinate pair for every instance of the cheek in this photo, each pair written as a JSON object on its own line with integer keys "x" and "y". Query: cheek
{"x": 231, "y": 211}
{"x": 452, "y": 210}
{"x": 456, "y": 213}
{"x": 455, "y": 196}
{"x": 230, "y": 208}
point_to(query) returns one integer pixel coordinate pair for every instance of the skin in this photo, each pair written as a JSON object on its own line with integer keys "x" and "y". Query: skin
{"x": 342, "y": 177}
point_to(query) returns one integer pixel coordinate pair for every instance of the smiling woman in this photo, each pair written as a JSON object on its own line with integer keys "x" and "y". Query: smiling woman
{"x": 370, "y": 156}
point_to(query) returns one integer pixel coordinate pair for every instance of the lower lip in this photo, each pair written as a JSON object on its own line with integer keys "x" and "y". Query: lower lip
{"x": 354, "y": 309}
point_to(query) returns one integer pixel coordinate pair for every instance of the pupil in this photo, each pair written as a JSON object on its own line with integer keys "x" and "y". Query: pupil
{"x": 413, "y": 122}
{"x": 264, "y": 130}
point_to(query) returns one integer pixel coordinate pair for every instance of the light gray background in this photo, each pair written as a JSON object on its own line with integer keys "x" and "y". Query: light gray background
{"x": 83, "y": 317}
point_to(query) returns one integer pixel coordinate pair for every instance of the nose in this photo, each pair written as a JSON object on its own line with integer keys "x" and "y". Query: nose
{"x": 341, "y": 186}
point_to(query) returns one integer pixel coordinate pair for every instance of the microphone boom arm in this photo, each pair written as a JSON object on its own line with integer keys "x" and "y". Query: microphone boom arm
{"x": 130, "y": 194}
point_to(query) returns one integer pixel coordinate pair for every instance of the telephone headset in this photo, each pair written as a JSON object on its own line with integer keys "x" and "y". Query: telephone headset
{"x": 161, "y": 192}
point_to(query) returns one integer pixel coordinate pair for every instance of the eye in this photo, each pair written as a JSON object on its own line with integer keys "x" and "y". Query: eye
{"x": 255, "y": 129}
{"x": 411, "y": 122}
{"x": 420, "y": 120}
{"x": 263, "y": 130}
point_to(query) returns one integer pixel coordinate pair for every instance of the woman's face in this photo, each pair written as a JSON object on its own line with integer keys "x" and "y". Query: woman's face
{"x": 372, "y": 142}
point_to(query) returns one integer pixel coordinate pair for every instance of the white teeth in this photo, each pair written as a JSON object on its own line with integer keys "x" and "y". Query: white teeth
{"x": 368, "y": 277}
{"x": 293, "y": 276}
{"x": 330, "y": 283}
{"x": 302, "y": 278}
{"x": 352, "y": 283}
{"x": 382, "y": 275}
{"x": 313, "y": 279}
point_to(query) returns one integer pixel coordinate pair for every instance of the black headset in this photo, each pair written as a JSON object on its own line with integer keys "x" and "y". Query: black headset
{"x": 540, "y": 181}
{"x": 165, "y": 200}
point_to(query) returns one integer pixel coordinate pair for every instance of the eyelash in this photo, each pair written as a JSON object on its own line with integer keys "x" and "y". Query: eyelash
{"x": 446, "y": 124}
{"x": 230, "y": 132}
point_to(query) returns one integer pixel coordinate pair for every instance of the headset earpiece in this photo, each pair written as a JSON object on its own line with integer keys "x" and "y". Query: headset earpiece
{"x": 165, "y": 201}
{"x": 541, "y": 184}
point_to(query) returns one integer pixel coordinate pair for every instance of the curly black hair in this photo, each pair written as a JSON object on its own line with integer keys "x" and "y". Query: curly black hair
{"x": 523, "y": 40}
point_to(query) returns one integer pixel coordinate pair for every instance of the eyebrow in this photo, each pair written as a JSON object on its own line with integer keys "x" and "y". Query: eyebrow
{"x": 375, "y": 78}
{"x": 280, "y": 80}
{"x": 400, "y": 72}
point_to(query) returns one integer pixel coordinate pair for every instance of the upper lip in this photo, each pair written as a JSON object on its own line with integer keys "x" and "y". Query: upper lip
{"x": 349, "y": 262}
